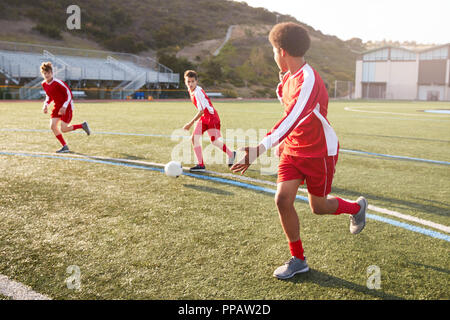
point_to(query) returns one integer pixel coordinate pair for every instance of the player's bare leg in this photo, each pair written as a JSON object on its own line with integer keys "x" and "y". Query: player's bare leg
{"x": 54, "y": 126}
{"x": 215, "y": 135}
{"x": 335, "y": 206}
{"x": 65, "y": 127}
{"x": 196, "y": 140}
{"x": 322, "y": 205}
{"x": 284, "y": 199}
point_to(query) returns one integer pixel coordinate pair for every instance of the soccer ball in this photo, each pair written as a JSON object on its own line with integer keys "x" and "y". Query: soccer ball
{"x": 173, "y": 169}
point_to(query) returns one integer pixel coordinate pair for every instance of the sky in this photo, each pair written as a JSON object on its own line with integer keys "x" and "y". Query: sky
{"x": 423, "y": 21}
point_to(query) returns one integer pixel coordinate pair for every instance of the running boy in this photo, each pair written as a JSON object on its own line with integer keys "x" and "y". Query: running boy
{"x": 208, "y": 120}
{"x": 59, "y": 92}
{"x": 310, "y": 145}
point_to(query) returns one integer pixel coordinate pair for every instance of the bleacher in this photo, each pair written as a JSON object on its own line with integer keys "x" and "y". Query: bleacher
{"x": 20, "y": 63}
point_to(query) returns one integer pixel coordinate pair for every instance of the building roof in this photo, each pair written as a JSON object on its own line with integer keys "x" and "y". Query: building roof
{"x": 416, "y": 49}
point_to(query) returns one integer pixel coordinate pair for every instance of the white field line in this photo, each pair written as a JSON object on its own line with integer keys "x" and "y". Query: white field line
{"x": 410, "y": 218}
{"x": 248, "y": 179}
{"x": 18, "y": 291}
{"x": 385, "y": 112}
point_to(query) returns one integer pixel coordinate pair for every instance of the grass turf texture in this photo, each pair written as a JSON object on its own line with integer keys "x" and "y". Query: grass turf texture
{"x": 136, "y": 234}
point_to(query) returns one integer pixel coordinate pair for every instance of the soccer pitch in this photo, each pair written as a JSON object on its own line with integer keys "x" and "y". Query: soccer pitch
{"x": 134, "y": 233}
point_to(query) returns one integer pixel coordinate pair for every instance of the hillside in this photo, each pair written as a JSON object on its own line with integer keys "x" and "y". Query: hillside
{"x": 245, "y": 64}
{"x": 183, "y": 35}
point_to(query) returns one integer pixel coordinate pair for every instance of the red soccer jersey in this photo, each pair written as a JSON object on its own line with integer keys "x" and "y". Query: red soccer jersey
{"x": 304, "y": 127}
{"x": 59, "y": 92}
{"x": 202, "y": 102}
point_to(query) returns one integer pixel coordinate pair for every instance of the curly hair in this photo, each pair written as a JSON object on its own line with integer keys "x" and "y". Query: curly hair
{"x": 291, "y": 37}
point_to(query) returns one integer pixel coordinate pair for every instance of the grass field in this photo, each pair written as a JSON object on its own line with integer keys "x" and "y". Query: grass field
{"x": 137, "y": 234}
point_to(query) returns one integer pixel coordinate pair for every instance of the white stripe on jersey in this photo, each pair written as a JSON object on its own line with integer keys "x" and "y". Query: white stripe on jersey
{"x": 287, "y": 125}
{"x": 69, "y": 97}
{"x": 47, "y": 99}
{"x": 330, "y": 136}
{"x": 326, "y": 177}
{"x": 202, "y": 101}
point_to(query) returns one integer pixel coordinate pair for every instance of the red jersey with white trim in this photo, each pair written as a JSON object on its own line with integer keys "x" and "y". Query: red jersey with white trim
{"x": 59, "y": 92}
{"x": 304, "y": 127}
{"x": 202, "y": 102}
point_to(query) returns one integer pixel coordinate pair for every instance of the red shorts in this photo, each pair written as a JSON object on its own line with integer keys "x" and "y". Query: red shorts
{"x": 67, "y": 117}
{"x": 212, "y": 127}
{"x": 317, "y": 172}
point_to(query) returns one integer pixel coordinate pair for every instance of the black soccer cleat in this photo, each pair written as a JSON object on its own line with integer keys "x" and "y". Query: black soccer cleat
{"x": 64, "y": 149}
{"x": 198, "y": 168}
{"x": 232, "y": 159}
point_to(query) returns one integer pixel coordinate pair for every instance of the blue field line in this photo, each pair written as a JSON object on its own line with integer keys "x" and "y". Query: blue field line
{"x": 427, "y": 232}
{"x": 447, "y": 163}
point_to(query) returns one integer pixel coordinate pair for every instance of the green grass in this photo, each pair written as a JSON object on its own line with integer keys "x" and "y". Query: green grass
{"x": 136, "y": 234}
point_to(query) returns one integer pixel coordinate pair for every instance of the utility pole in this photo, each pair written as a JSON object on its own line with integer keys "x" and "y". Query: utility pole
{"x": 335, "y": 88}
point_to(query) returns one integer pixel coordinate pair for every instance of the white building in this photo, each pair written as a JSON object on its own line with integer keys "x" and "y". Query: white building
{"x": 402, "y": 74}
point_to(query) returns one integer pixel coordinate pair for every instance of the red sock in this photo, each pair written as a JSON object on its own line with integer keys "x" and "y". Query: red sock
{"x": 77, "y": 126}
{"x": 227, "y": 151}
{"x": 347, "y": 207}
{"x": 61, "y": 139}
{"x": 198, "y": 155}
{"x": 296, "y": 249}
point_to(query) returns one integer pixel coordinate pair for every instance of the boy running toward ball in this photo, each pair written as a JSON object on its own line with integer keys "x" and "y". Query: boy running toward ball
{"x": 310, "y": 145}
{"x": 59, "y": 92}
{"x": 207, "y": 120}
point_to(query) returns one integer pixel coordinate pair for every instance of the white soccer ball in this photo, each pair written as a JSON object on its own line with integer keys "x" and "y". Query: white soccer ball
{"x": 173, "y": 169}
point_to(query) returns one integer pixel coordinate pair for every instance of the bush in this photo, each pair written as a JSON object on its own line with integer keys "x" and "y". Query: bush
{"x": 48, "y": 30}
{"x": 263, "y": 93}
{"x": 229, "y": 93}
{"x": 213, "y": 69}
{"x": 125, "y": 43}
{"x": 178, "y": 65}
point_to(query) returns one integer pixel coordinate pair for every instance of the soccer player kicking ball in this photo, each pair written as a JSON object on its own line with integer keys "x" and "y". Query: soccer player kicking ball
{"x": 59, "y": 92}
{"x": 310, "y": 145}
{"x": 208, "y": 120}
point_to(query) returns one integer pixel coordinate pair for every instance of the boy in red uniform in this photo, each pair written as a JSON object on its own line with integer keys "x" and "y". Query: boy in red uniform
{"x": 310, "y": 145}
{"x": 59, "y": 92}
{"x": 208, "y": 120}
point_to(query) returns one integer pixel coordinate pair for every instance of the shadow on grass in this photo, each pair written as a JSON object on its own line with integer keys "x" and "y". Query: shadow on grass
{"x": 431, "y": 267}
{"x": 432, "y": 208}
{"x": 131, "y": 157}
{"x": 326, "y": 280}
{"x": 121, "y": 160}
{"x": 208, "y": 189}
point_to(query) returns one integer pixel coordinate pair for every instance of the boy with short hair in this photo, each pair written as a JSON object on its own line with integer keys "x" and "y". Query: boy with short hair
{"x": 208, "y": 120}
{"x": 59, "y": 92}
{"x": 310, "y": 145}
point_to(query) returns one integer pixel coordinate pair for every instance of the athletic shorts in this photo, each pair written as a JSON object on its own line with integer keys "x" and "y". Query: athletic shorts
{"x": 212, "y": 127}
{"x": 67, "y": 117}
{"x": 208, "y": 124}
{"x": 318, "y": 173}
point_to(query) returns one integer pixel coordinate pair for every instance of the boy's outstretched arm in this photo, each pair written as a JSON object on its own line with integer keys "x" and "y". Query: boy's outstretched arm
{"x": 188, "y": 125}
{"x": 47, "y": 101}
{"x": 251, "y": 154}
